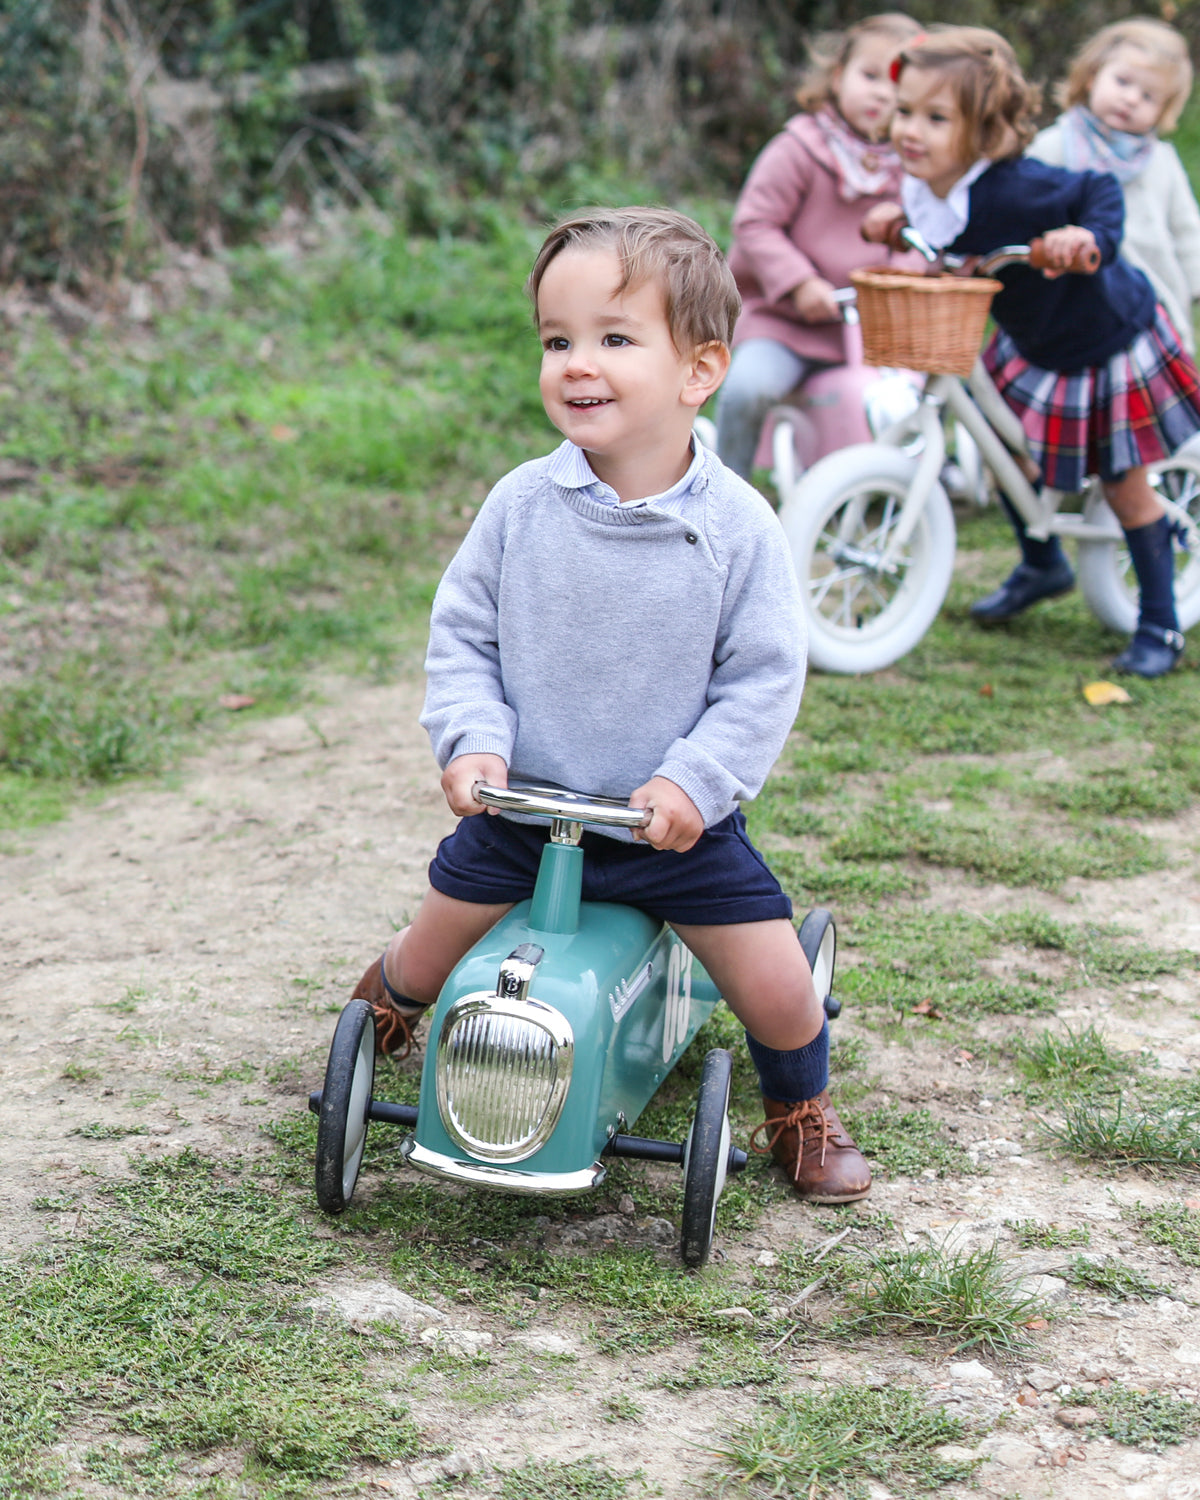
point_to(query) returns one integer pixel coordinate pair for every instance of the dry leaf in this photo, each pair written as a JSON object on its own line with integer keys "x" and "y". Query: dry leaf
{"x": 926, "y": 1008}
{"x": 1036, "y": 1323}
{"x": 1098, "y": 694}
{"x": 234, "y": 701}
{"x": 987, "y": 691}
{"x": 284, "y": 434}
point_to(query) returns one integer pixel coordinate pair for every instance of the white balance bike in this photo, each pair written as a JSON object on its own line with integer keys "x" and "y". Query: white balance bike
{"x": 872, "y": 530}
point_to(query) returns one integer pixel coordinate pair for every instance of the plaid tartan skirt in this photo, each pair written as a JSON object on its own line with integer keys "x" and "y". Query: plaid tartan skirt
{"x": 1141, "y": 405}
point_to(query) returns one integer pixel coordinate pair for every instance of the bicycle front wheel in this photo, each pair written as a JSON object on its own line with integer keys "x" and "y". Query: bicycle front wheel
{"x": 1106, "y": 577}
{"x": 866, "y": 610}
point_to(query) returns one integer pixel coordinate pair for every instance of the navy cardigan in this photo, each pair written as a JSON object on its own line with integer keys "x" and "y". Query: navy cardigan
{"x": 1074, "y": 320}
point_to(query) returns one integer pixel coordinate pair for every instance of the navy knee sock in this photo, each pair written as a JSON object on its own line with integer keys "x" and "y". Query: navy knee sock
{"x": 1040, "y": 555}
{"x": 1154, "y": 563}
{"x": 792, "y": 1077}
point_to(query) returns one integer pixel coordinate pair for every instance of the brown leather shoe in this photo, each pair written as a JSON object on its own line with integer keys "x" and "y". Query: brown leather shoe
{"x": 811, "y": 1145}
{"x": 395, "y": 1022}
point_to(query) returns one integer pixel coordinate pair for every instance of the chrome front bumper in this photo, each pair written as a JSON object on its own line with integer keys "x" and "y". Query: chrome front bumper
{"x": 501, "y": 1179}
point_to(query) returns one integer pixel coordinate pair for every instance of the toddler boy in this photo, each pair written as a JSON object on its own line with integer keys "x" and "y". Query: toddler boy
{"x": 623, "y": 619}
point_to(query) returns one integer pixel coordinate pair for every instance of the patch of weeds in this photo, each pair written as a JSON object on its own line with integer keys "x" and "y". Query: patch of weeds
{"x": 1030, "y": 1234}
{"x": 99, "y": 1130}
{"x": 1107, "y": 953}
{"x": 994, "y": 849}
{"x": 855, "y": 881}
{"x": 1128, "y": 1136}
{"x": 204, "y": 1214}
{"x": 1140, "y": 1418}
{"x": 913, "y": 956}
{"x": 189, "y": 1367}
{"x": 972, "y": 1298}
{"x": 907, "y": 1142}
{"x": 65, "y": 1203}
{"x": 1078, "y": 1061}
{"x": 77, "y": 1072}
{"x": 1119, "y": 792}
{"x": 844, "y": 1436}
{"x": 584, "y": 1479}
{"x": 1115, "y": 1280}
{"x": 724, "y": 1364}
{"x": 1173, "y": 1225}
{"x": 129, "y": 1003}
{"x": 620, "y": 1407}
{"x": 210, "y": 1075}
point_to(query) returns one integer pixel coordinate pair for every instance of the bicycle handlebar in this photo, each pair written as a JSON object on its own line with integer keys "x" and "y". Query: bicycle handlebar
{"x": 895, "y": 231}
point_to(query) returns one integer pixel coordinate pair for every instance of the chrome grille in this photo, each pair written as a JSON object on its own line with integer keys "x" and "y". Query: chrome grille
{"x": 503, "y": 1068}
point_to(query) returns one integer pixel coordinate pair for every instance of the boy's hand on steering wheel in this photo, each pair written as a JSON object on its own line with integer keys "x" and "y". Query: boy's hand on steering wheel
{"x": 676, "y": 823}
{"x": 1062, "y": 247}
{"x": 814, "y": 301}
{"x": 460, "y": 776}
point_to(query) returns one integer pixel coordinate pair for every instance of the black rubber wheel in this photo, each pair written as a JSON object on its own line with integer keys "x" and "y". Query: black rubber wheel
{"x": 706, "y": 1158}
{"x": 818, "y": 938}
{"x": 342, "y": 1122}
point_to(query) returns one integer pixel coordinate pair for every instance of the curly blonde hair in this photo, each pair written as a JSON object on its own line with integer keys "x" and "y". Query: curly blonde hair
{"x": 830, "y": 53}
{"x": 997, "y": 103}
{"x": 1161, "y": 45}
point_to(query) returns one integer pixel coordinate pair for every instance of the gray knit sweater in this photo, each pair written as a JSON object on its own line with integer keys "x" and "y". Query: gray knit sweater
{"x": 593, "y": 646}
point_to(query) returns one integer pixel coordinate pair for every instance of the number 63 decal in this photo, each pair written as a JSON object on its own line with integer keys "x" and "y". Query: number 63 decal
{"x": 678, "y": 1012}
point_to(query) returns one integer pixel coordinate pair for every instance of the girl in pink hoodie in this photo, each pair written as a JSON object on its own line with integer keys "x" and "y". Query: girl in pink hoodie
{"x": 796, "y": 227}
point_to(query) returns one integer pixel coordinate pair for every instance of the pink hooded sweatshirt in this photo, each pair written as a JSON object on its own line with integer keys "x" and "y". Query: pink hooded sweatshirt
{"x": 792, "y": 222}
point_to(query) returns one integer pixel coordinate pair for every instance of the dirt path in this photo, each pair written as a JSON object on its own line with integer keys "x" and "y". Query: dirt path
{"x": 155, "y": 942}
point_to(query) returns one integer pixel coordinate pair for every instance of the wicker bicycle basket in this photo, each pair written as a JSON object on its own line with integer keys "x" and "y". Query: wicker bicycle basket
{"x": 929, "y": 323}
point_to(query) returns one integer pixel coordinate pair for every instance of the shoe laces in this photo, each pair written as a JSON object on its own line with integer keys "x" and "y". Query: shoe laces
{"x": 394, "y": 1028}
{"x": 807, "y": 1113}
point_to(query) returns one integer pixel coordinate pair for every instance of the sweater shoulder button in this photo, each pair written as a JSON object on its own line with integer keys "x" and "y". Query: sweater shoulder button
{"x": 691, "y": 538}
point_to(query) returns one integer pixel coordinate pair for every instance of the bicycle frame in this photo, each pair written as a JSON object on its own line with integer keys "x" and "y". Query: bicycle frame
{"x": 981, "y": 409}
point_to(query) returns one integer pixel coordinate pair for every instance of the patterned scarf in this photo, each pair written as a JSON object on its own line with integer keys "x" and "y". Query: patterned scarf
{"x": 865, "y": 168}
{"x": 1089, "y": 145}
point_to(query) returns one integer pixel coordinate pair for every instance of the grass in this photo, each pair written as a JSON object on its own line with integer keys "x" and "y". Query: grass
{"x": 1120, "y": 1282}
{"x": 1073, "y": 1061}
{"x": 907, "y": 1142}
{"x": 844, "y": 1436}
{"x": 1031, "y": 1235}
{"x": 244, "y": 500}
{"x": 1140, "y": 1418}
{"x": 165, "y": 1322}
{"x": 1172, "y": 1225}
{"x": 970, "y": 1298}
{"x": 1131, "y": 1136}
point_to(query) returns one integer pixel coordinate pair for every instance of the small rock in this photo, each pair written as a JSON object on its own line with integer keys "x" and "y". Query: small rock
{"x": 1044, "y": 1288}
{"x": 766, "y": 1258}
{"x": 1134, "y": 1466}
{"x": 626, "y": 1205}
{"x": 734, "y": 1314}
{"x": 970, "y": 1372}
{"x": 544, "y": 1343}
{"x": 955, "y": 1453}
{"x": 365, "y": 1302}
{"x": 464, "y": 1341}
{"x": 1076, "y": 1416}
{"x": 456, "y": 1465}
{"x": 1042, "y": 1379}
{"x": 1009, "y": 1452}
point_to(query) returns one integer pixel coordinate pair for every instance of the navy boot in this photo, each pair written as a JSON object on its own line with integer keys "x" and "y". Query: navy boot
{"x": 1042, "y": 573}
{"x": 1157, "y": 643}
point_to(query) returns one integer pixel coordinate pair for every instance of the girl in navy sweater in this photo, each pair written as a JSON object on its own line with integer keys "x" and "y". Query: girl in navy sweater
{"x": 1090, "y": 364}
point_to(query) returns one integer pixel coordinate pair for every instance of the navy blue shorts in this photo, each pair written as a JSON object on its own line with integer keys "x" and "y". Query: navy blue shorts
{"x": 721, "y": 879}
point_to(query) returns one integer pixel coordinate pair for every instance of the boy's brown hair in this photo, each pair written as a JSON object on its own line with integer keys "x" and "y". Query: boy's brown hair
{"x": 830, "y": 53}
{"x": 997, "y": 104}
{"x": 1163, "y": 48}
{"x": 660, "y": 246}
